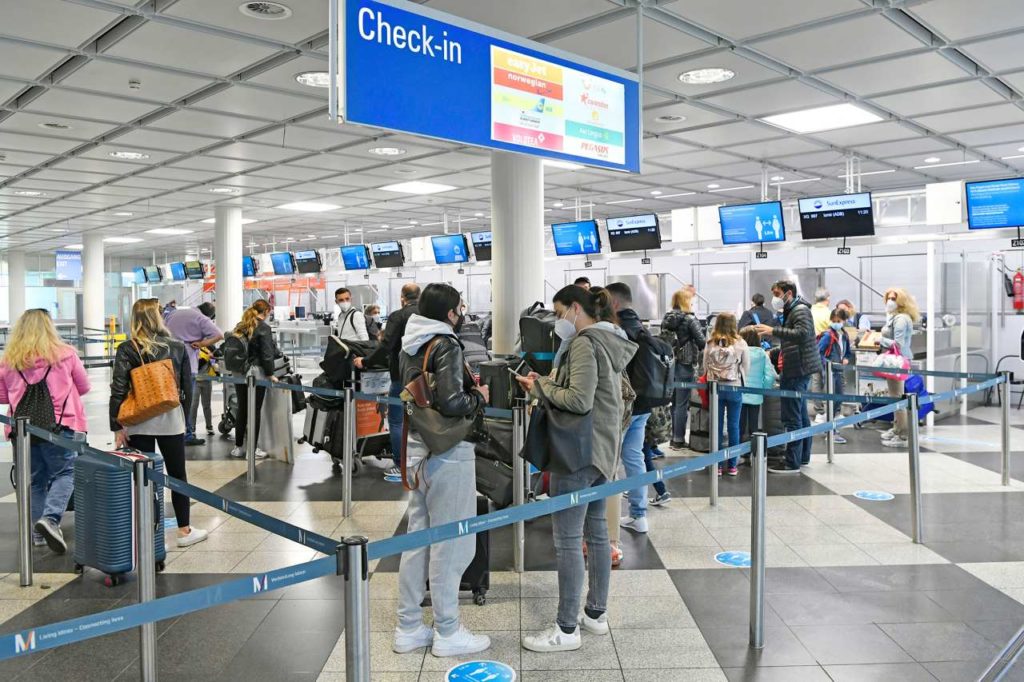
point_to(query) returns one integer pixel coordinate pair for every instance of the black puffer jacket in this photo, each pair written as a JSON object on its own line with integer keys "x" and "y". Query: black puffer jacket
{"x": 796, "y": 335}
{"x": 386, "y": 354}
{"x": 453, "y": 394}
{"x": 128, "y": 358}
{"x": 263, "y": 349}
{"x": 687, "y": 329}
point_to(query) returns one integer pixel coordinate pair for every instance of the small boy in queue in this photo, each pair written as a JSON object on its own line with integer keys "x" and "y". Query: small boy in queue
{"x": 834, "y": 346}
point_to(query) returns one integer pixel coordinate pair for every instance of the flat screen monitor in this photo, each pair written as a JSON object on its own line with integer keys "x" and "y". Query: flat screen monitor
{"x": 576, "y": 239}
{"x": 282, "y": 263}
{"x": 307, "y": 262}
{"x": 995, "y": 203}
{"x": 481, "y": 245}
{"x": 248, "y": 266}
{"x": 140, "y": 275}
{"x": 194, "y": 269}
{"x": 177, "y": 271}
{"x": 355, "y": 257}
{"x": 450, "y": 248}
{"x": 388, "y": 254}
{"x": 634, "y": 233}
{"x": 153, "y": 273}
{"x": 752, "y": 223}
{"x": 837, "y": 217}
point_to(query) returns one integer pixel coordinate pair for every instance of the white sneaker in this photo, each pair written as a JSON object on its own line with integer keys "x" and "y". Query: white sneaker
{"x": 553, "y": 639}
{"x": 637, "y": 524}
{"x": 238, "y": 453}
{"x": 819, "y": 419}
{"x": 886, "y": 435}
{"x": 595, "y": 626}
{"x": 895, "y": 442}
{"x": 194, "y": 537}
{"x": 406, "y": 642}
{"x": 461, "y": 643}
{"x": 260, "y": 454}
{"x": 377, "y": 463}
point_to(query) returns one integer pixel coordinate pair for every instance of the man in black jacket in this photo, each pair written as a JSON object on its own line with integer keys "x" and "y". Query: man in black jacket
{"x": 387, "y": 353}
{"x": 799, "y": 361}
{"x": 756, "y": 314}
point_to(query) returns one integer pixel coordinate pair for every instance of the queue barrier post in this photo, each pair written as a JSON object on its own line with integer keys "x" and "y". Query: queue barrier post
{"x": 519, "y": 481}
{"x": 348, "y": 448}
{"x": 715, "y": 428}
{"x": 23, "y": 463}
{"x": 914, "y": 456}
{"x": 145, "y": 563}
{"x": 759, "y": 464}
{"x": 250, "y": 430}
{"x": 830, "y": 412}
{"x": 352, "y": 566}
{"x": 1004, "y": 404}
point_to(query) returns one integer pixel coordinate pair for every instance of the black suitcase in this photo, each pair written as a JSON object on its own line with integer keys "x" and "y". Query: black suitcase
{"x": 495, "y": 375}
{"x": 494, "y": 481}
{"x": 477, "y": 577}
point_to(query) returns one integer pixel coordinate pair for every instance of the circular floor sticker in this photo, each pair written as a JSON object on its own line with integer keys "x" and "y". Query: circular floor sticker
{"x": 481, "y": 671}
{"x": 874, "y": 495}
{"x": 734, "y": 559}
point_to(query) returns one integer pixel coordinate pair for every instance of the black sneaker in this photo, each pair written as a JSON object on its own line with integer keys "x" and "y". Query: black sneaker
{"x": 194, "y": 441}
{"x": 783, "y": 469}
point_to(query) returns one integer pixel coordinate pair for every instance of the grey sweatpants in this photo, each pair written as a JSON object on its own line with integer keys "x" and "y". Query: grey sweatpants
{"x": 446, "y": 493}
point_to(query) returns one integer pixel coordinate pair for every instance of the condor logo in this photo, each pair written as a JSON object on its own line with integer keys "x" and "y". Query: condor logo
{"x": 259, "y": 584}
{"x": 25, "y": 642}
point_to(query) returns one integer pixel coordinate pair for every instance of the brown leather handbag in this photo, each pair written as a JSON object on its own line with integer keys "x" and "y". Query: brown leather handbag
{"x": 154, "y": 391}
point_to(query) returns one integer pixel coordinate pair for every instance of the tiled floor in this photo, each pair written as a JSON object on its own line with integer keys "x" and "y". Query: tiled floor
{"x": 850, "y": 597}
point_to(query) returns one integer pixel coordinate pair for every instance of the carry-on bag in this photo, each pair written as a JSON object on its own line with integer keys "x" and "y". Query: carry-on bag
{"x": 495, "y": 375}
{"x": 477, "y": 576}
{"x": 105, "y": 514}
{"x": 700, "y": 426}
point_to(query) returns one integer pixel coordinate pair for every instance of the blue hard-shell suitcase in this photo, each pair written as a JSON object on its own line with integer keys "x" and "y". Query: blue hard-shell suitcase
{"x": 105, "y": 511}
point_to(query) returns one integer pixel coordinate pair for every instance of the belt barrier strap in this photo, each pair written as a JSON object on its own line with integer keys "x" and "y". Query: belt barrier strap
{"x": 806, "y": 395}
{"x": 970, "y": 376}
{"x": 818, "y": 429}
{"x": 957, "y": 392}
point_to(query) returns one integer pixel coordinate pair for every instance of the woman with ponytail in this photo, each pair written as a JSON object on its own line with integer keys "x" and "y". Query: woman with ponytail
{"x": 262, "y": 352}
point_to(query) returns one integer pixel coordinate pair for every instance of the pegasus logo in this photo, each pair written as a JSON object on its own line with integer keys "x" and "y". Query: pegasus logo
{"x": 259, "y": 584}
{"x": 26, "y": 642}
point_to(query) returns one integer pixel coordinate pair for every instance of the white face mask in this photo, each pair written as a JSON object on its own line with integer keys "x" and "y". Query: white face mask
{"x": 345, "y": 306}
{"x": 564, "y": 329}
{"x": 778, "y": 304}
{"x": 890, "y": 306}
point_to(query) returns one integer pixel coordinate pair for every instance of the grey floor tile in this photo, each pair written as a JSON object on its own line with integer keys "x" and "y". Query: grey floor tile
{"x": 648, "y": 613}
{"x": 795, "y": 581}
{"x": 847, "y": 644}
{"x": 898, "y": 578}
{"x": 666, "y": 648}
{"x": 702, "y": 582}
{"x": 879, "y": 672}
{"x": 811, "y": 673}
{"x": 726, "y": 609}
{"x": 675, "y": 675}
{"x": 980, "y": 603}
{"x": 597, "y": 653}
{"x": 781, "y": 648}
{"x": 570, "y": 676}
{"x": 857, "y": 608}
{"x": 505, "y": 648}
{"x": 940, "y": 641}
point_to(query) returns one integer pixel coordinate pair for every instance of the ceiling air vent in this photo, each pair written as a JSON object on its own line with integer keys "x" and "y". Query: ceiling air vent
{"x": 269, "y": 11}
{"x": 54, "y": 125}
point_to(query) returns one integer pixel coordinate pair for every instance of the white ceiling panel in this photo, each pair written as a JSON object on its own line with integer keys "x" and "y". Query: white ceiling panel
{"x": 1015, "y": 80}
{"x": 147, "y": 181}
{"x": 98, "y": 107}
{"x": 894, "y": 74}
{"x": 728, "y": 134}
{"x": 867, "y": 134}
{"x": 215, "y": 165}
{"x": 35, "y": 143}
{"x": 955, "y": 21}
{"x": 87, "y": 165}
{"x": 195, "y": 51}
{"x": 291, "y": 172}
{"x": 669, "y": 145}
{"x": 254, "y": 152}
{"x": 146, "y": 139}
{"x": 26, "y": 62}
{"x": 10, "y": 88}
{"x": 54, "y": 22}
{"x": 245, "y": 100}
{"x": 698, "y": 161}
{"x": 180, "y": 174}
{"x": 694, "y": 116}
{"x": 308, "y": 18}
{"x": 940, "y": 98}
{"x": 998, "y": 55}
{"x": 110, "y": 77}
{"x": 71, "y": 176}
{"x": 773, "y": 99}
{"x": 738, "y": 19}
{"x": 924, "y": 146}
{"x": 79, "y": 129}
{"x": 283, "y": 76}
{"x": 209, "y": 123}
{"x": 769, "y": 149}
{"x": 971, "y": 119}
{"x": 17, "y": 157}
{"x": 524, "y": 17}
{"x": 999, "y": 135}
{"x": 103, "y": 151}
{"x": 614, "y": 43}
{"x": 309, "y": 139}
{"x": 253, "y": 182}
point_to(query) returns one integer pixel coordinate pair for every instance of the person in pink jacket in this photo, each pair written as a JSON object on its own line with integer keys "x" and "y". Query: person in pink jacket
{"x": 36, "y": 357}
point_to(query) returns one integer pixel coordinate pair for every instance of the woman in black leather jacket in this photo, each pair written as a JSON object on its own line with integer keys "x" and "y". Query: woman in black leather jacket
{"x": 262, "y": 352}
{"x": 444, "y": 482}
{"x": 150, "y": 341}
{"x": 689, "y": 348}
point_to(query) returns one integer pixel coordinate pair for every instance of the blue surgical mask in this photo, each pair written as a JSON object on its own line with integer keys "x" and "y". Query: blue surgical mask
{"x": 838, "y": 326}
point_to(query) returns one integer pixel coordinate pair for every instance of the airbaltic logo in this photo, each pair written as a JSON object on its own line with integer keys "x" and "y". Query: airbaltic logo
{"x": 373, "y": 27}
{"x": 259, "y": 584}
{"x": 25, "y": 642}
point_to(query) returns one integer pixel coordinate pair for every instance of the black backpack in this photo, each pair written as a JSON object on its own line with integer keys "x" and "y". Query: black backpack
{"x": 236, "y": 353}
{"x": 652, "y": 369}
{"x": 37, "y": 406}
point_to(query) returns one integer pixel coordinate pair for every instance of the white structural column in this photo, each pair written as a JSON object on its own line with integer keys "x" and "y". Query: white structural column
{"x": 227, "y": 252}
{"x": 517, "y": 233}
{"x": 15, "y": 284}
{"x": 93, "y": 284}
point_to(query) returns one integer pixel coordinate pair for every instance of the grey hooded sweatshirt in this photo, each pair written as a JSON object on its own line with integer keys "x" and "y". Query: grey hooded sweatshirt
{"x": 588, "y": 379}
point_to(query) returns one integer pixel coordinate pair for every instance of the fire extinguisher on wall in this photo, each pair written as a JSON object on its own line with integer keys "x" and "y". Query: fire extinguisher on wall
{"x": 1018, "y": 292}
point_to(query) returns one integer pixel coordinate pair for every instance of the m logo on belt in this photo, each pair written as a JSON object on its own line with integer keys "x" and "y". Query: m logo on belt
{"x": 26, "y": 642}
{"x": 463, "y": 527}
{"x": 259, "y": 585}
{"x": 574, "y": 499}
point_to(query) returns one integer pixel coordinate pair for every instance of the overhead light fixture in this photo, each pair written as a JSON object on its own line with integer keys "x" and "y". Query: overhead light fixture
{"x": 54, "y": 125}
{"x": 732, "y": 189}
{"x": 309, "y": 206}
{"x": 29, "y": 193}
{"x": 406, "y": 171}
{"x": 622, "y": 201}
{"x": 386, "y": 151}
{"x": 384, "y": 227}
{"x": 944, "y": 165}
{"x": 212, "y": 221}
{"x": 223, "y": 190}
{"x": 74, "y": 247}
{"x": 714, "y": 185}
{"x": 307, "y": 239}
{"x": 330, "y": 236}
{"x": 680, "y": 194}
{"x": 1014, "y": 156}
{"x": 414, "y": 222}
{"x": 562, "y": 165}
{"x": 878, "y": 172}
{"x": 708, "y": 76}
{"x": 314, "y": 79}
{"x": 558, "y": 204}
{"x": 417, "y": 187}
{"x": 818, "y": 119}
{"x": 932, "y": 159}
{"x": 655, "y": 192}
{"x": 797, "y": 182}
{"x": 122, "y": 240}
{"x": 479, "y": 215}
{"x": 778, "y": 178}
{"x": 670, "y": 118}
{"x": 128, "y": 156}
{"x": 266, "y": 11}
{"x": 124, "y": 214}
{"x": 169, "y": 231}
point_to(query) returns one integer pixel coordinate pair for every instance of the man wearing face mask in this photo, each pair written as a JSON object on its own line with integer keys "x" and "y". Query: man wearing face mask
{"x": 799, "y": 360}
{"x": 349, "y": 323}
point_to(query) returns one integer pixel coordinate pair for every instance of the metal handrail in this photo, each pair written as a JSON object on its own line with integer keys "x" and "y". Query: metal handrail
{"x": 696, "y": 293}
{"x": 854, "y": 277}
{"x": 1005, "y": 660}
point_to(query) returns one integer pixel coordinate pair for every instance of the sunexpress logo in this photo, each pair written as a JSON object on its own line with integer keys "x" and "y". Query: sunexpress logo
{"x": 25, "y": 642}
{"x": 373, "y": 27}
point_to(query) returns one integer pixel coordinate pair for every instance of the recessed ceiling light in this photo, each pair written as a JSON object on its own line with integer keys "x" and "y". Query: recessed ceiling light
{"x": 655, "y": 192}
{"x": 170, "y": 231}
{"x": 54, "y": 125}
{"x": 818, "y": 119}
{"x": 714, "y": 74}
{"x": 128, "y": 156}
{"x": 558, "y": 204}
{"x": 311, "y": 236}
{"x": 29, "y": 193}
{"x": 330, "y": 236}
{"x": 670, "y": 118}
{"x": 714, "y": 185}
{"x": 308, "y": 239}
{"x": 309, "y": 206}
{"x": 124, "y": 214}
{"x": 681, "y": 194}
{"x": 878, "y": 172}
{"x": 267, "y": 11}
{"x": 932, "y": 159}
{"x": 386, "y": 151}
{"x": 223, "y": 190}
{"x": 74, "y": 247}
{"x": 383, "y": 227}
{"x": 417, "y": 187}
{"x": 122, "y": 240}
{"x": 778, "y": 178}
{"x": 733, "y": 189}
{"x": 944, "y": 165}
{"x": 563, "y": 165}
{"x": 212, "y": 221}
{"x": 290, "y": 239}
{"x": 414, "y": 222}
{"x": 622, "y": 201}
{"x": 314, "y": 79}
{"x": 58, "y": 229}
{"x": 405, "y": 171}
{"x": 479, "y": 215}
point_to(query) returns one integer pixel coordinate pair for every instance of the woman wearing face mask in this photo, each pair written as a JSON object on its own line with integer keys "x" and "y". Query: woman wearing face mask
{"x": 262, "y": 352}
{"x": 901, "y": 314}
{"x": 588, "y": 379}
{"x": 373, "y": 327}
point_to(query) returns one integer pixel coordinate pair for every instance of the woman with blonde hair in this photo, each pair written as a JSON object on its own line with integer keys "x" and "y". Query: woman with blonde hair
{"x": 151, "y": 342}
{"x": 901, "y": 314}
{"x": 38, "y": 370}
{"x": 727, "y": 361}
{"x": 262, "y": 352}
{"x": 689, "y": 344}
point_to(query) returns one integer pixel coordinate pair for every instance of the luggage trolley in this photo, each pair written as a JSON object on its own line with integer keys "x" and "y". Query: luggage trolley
{"x": 372, "y": 436}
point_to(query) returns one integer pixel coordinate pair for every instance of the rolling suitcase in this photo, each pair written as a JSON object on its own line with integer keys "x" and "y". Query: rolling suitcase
{"x": 477, "y": 576}
{"x": 700, "y": 426}
{"x": 494, "y": 374}
{"x": 105, "y": 511}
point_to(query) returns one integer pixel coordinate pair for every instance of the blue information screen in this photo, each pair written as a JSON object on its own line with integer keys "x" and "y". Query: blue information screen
{"x": 455, "y": 80}
{"x": 752, "y": 223}
{"x": 355, "y": 257}
{"x": 248, "y": 266}
{"x": 450, "y": 248}
{"x": 576, "y": 239}
{"x": 140, "y": 275}
{"x": 177, "y": 271}
{"x": 282, "y": 262}
{"x": 69, "y": 265}
{"x": 994, "y": 204}
{"x": 152, "y": 273}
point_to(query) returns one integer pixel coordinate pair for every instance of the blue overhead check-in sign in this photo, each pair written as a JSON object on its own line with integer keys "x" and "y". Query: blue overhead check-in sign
{"x": 408, "y": 68}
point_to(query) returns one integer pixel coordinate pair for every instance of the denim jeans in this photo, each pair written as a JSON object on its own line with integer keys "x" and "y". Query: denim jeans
{"x": 681, "y": 404}
{"x": 730, "y": 406}
{"x": 633, "y": 462}
{"x": 570, "y": 528}
{"x": 659, "y": 486}
{"x": 53, "y": 480}
{"x": 395, "y": 417}
{"x": 794, "y": 416}
{"x": 446, "y": 493}
{"x": 202, "y": 393}
{"x": 190, "y": 416}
